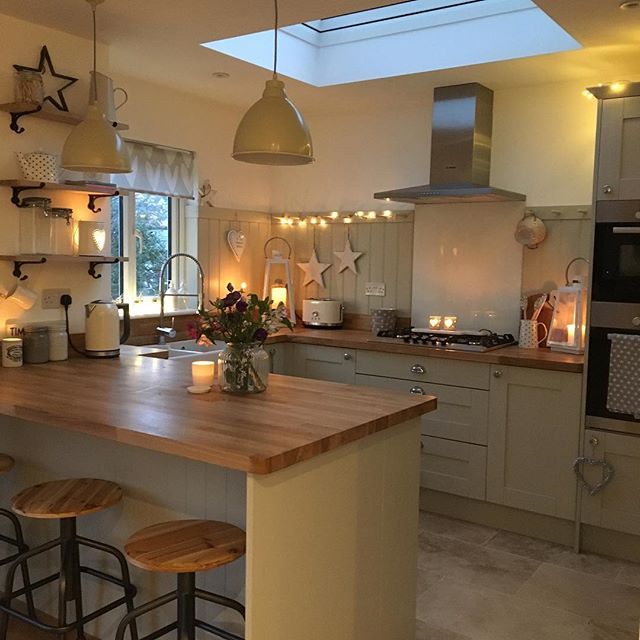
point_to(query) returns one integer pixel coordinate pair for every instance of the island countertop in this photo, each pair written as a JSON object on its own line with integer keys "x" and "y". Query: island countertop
{"x": 143, "y": 402}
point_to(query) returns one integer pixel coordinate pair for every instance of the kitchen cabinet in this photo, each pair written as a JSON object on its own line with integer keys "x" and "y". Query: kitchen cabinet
{"x": 279, "y": 358}
{"x": 618, "y": 172}
{"x": 616, "y": 506}
{"x": 534, "y": 431}
{"x": 332, "y": 364}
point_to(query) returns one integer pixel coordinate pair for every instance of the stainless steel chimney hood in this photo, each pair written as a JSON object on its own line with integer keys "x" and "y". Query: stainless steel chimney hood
{"x": 460, "y": 151}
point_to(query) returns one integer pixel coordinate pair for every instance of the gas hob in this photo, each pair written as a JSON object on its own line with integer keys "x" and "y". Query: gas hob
{"x": 483, "y": 340}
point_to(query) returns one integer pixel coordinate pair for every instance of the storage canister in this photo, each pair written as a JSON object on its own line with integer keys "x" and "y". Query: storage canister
{"x": 62, "y": 231}
{"x": 58, "y": 344}
{"x": 12, "y": 352}
{"x": 35, "y": 226}
{"x": 36, "y": 345}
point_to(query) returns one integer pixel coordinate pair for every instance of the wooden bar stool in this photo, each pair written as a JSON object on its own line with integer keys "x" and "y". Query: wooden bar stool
{"x": 66, "y": 500}
{"x": 17, "y": 541}
{"x": 185, "y": 547}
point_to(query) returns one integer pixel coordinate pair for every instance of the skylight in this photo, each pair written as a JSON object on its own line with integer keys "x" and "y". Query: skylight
{"x": 414, "y": 36}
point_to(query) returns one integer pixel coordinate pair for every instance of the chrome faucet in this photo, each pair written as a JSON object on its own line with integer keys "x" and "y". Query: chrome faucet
{"x": 170, "y": 332}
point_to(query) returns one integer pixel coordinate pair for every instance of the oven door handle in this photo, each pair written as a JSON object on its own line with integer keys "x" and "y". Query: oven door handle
{"x": 630, "y": 230}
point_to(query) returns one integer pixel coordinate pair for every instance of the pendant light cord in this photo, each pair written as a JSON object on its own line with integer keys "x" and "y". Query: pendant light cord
{"x": 94, "y": 84}
{"x": 275, "y": 42}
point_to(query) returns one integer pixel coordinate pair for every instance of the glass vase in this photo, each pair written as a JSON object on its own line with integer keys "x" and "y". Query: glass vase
{"x": 243, "y": 368}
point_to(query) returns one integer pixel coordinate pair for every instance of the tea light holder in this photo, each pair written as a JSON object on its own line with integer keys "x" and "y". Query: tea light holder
{"x": 450, "y": 322}
{"x": 203, "y": 374}
{"x": 435, "y": 322}
{"x": 92, "y": 238}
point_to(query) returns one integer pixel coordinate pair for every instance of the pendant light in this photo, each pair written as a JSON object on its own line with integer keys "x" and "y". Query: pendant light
{"x": 94, "y": 145}
{"x": 273, "y": 131}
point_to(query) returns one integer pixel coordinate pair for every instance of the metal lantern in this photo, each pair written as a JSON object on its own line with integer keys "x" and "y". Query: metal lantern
{"x": 279, "y": 290}
{"x": 569, "y": 321}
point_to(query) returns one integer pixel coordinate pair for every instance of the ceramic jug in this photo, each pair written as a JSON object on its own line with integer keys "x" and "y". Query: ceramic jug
{"x": 38, "y": 166}
{"x": 106, "y": 95}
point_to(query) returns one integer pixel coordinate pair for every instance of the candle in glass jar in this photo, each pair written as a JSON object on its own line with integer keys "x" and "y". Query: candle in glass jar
{"x": 203, "y": 373}
{"x": 450, "y": 322}
{"x": 435, "y": 322}
{"x": 571, "y": 334}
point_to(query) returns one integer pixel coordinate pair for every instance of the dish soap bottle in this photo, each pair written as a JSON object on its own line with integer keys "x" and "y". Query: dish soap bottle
{"x": 182, "y": 301}
{"x": 170, "y": 300}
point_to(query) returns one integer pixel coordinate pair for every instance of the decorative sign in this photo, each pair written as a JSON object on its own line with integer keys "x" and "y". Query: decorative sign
{"x": 45, "y": 66}
{"x": 313, "y": 270}
{"x": 348, "y": 257}
{"x": 237, "y": 242}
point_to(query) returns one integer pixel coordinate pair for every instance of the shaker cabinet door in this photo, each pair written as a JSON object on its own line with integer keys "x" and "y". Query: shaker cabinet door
{"x": 534, "y": 431}
{"x": 618, "y": 173}
{"x": 324, "y": 363}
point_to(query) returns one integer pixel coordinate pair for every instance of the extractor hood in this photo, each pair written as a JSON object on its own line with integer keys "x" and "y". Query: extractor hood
{"x": 460, "y": 151}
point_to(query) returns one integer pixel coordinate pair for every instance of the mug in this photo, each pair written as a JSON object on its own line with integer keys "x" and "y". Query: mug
{"x": 529, "y": 334}
{"x": 22, "y": 296}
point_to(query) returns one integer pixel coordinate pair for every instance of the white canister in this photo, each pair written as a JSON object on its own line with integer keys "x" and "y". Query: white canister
{"x": 11, "y": 352}
{"x": 529, "y": 334}
{"x": 58, "y": 343}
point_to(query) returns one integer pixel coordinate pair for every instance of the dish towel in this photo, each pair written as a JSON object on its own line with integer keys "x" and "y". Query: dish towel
{"x": 623, "y": 395}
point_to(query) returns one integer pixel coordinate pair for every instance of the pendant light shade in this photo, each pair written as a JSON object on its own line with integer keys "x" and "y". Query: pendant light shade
{"x": 94, "y": 145}
{"x": 273, "y": 131}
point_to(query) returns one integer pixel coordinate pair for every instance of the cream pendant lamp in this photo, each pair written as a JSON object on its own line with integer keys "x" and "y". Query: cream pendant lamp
{"x": 273, "y": 131}
{"x": 94, "y": 145}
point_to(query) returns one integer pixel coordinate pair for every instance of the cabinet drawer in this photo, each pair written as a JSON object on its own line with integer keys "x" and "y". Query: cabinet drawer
{"x": 462, "y": 414}
{"x": 454, "y": 467}
{"x": 324, "y": 363}
{"x": 424, "y": 369}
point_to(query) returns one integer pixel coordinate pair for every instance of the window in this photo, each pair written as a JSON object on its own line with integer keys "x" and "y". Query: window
{"x": 146, "y": 228}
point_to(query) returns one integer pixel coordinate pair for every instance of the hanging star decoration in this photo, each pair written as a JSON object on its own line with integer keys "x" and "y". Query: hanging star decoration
{"x": 313, "y": 270}
{"x": 348, "y": 257}
{"x": 45, "y": 67}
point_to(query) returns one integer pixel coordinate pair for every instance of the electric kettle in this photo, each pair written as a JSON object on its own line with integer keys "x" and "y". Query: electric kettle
{"x": 102, "y": 328}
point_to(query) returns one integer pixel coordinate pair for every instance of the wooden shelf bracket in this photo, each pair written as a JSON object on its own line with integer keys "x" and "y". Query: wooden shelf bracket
{"x": 93, "y": 197}
{"x": 93, "y": 265}
{"x": 16, "y": 115}
{"x": 16, "y": 191}
{"x": 18, "y": 264}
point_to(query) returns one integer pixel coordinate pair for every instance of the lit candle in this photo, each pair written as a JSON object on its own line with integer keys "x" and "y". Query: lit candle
{"x": 571, "y": 334}
{"x": 450, "y": 322}
{"x": 435, "y": 322}
{"x": 203, "y": 373}
{"x": 278, "y": 293}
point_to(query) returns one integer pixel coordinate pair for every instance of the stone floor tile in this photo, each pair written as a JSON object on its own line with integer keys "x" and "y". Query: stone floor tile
{"x": 483, "y": 614}
{"x": 473, "y": 564}
{"x": 629, "y": 574}
{"x": 605, "y": 602}
{"x": 452, "y": 528}
{"x": 425, "y": 631}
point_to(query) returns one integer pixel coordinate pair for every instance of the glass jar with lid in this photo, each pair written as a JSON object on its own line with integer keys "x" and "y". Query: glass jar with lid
{"x": 58, "y": 343}
{"x": 35, "y": 345}
{"x": 35, "y": 226}
{"x": 62, "y": 230}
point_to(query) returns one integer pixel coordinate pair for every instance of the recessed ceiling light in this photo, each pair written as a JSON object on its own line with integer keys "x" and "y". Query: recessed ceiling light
{"x": 221, "y": 75}
{"x": 630, "y": 4}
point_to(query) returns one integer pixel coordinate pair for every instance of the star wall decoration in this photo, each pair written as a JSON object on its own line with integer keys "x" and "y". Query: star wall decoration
{"x": 313, "y": 270}
{"x": 348, "y": 257}
{"x": 45, "y": 66}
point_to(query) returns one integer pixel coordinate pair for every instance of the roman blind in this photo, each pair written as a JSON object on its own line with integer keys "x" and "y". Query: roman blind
{"x": 160, "y": 170}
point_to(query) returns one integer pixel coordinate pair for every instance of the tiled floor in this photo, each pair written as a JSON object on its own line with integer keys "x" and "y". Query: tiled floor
{"x": 477, "y": 583}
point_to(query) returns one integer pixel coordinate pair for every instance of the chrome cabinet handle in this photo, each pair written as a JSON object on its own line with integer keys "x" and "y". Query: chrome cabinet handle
{"x": 348, "y": 356}
{"x": 497, "y": 374}
{"x": 418, "y": 368}
{"x": 272, "y": 352}
{"x": 607, "y": 188}
{"x": 417, "y": 391}
{"x": 627, "y": 230}
{"x": 636, "y": 321}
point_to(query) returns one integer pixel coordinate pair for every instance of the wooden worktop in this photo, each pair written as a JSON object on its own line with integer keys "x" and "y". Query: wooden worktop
{"x": 143, "y": 401}
{"x": 507, "y": 356}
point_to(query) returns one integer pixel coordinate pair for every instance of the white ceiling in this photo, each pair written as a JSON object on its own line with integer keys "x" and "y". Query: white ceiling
{"x": 159, "y": 40}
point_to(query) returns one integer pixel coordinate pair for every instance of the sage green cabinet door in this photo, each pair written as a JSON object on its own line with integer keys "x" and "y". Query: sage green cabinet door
{"x": 617, "y": 505}
{"x": 534, "y": 431}
{"x": 618, "y": 174}
{"x": 280, "y": 359}
{"x": 324, "y": 363}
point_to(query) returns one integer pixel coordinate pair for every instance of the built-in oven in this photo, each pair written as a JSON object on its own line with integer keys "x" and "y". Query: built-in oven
{"x": 616, "y": 256}
{"x": 608, "y": 318}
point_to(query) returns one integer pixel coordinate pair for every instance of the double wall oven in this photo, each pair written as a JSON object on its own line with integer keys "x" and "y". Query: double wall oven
{"x": 615, "y": 304}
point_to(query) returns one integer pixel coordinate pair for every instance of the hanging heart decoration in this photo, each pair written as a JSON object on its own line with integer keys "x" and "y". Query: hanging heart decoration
{"x": 237, "y": 242}
{"x": 607, "y": 474}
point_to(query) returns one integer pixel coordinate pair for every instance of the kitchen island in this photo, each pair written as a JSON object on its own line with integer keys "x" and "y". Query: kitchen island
{"x": 323, "y": 476}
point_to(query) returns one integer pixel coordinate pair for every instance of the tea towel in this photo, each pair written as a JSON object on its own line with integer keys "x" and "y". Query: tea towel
{"x": 623, "y": 395}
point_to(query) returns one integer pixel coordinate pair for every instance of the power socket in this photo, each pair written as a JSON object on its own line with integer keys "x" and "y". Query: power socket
{"x": 375, "y": 289}
{"x": 51, "y": 298}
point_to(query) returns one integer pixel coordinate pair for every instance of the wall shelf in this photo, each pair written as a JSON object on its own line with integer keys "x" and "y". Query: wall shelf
{"x": 21, "y": 109}
{"x": 95, "y": 191}
{"x": 19, "y": 260}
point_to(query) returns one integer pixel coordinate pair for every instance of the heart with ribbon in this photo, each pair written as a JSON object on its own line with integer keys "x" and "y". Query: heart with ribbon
{"x": 237, "y": 242}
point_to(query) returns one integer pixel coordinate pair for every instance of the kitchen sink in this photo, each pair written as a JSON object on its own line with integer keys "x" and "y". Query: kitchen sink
{"x": 190, "y": 345}
{"x": 186, "y": 350}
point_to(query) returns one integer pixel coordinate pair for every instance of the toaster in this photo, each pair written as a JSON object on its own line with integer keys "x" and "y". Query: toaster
{"x": 322, "y": 312}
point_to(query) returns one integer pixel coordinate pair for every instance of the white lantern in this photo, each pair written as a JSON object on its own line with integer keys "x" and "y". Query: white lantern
{"x": 569, "y": 321}
{"x": 279, "y": 290}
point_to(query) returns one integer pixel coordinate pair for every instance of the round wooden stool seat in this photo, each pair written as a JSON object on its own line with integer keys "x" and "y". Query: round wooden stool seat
{"x": 66, "y": 498}
{"x": 186, "y": 546}
{"x": 6, "y": 463}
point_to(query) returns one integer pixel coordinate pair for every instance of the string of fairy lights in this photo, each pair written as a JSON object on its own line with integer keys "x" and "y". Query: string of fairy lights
{"x": 323, "y": 219}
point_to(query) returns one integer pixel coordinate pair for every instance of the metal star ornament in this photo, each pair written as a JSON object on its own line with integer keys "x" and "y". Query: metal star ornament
{"x": 46, "y": 66}
{"x": 348, "y": 257}
{"x": 313, "y": 270}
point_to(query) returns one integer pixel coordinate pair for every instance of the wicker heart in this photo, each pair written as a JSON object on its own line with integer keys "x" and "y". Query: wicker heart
{"x": 593, "y": 462}
{"x": 237, "y": 242}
